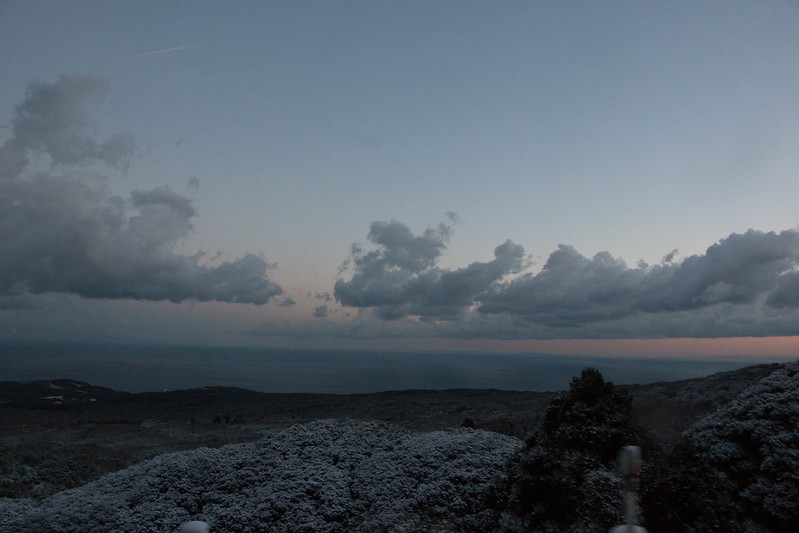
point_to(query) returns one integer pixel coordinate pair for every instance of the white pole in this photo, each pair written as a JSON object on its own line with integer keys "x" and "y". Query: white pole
{"x": 630, "y": 465}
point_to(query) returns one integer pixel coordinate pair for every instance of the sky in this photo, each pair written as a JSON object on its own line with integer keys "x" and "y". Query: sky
{"x": 560, "y": 177}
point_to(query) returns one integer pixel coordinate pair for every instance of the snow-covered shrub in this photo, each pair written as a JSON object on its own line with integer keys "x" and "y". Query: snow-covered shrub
{"x": 323, "y": 476}
{"x": 753, "y": 443}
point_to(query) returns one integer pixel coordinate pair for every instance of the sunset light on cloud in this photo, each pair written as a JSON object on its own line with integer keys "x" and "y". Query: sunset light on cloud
{"x": 589, "y": 178}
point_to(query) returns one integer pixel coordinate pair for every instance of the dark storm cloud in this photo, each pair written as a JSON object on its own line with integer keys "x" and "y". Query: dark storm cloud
{"x": 62, "y": 230}
{"x": 400, "y": 278}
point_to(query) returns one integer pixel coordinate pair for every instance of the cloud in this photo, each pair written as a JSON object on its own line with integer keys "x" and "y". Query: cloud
{"x": 16, "y": 302}
{"x": 52, "y": 120}
{"x": 320, "y": 312}
{"x": 453, "y": 217}
{"x": 287, "y": 302}
{"x": 569, "y": 290}
{"x": 400, "y": 278}
{"x": 572, "y": 290}
{"x": 63, "y": 231}
{"x": 744, "y": 285}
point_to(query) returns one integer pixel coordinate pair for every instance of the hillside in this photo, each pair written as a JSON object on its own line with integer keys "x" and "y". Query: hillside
{"x": 666, "y": 409}
{"x": 60, "y": 434}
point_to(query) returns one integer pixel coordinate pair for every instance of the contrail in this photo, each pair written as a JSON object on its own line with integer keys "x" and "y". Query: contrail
{"x": 236, "y": 76}
{"x": 168, "y": 50}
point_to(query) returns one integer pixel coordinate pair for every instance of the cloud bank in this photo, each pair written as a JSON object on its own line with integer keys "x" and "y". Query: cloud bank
{"x": 744, "y": 285}
{"x": 743, "y": 269}
{"x": 64, "y": 232}
{"x": 400, "y": 278}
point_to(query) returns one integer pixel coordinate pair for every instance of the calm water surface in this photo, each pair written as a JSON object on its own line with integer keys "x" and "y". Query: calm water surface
{"x": 155, "y": 368}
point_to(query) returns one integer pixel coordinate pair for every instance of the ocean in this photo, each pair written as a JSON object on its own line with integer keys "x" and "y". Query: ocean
{"x": 140, "y": 368}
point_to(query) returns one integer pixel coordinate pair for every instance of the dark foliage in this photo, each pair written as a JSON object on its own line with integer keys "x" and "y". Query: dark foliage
{"x": 592, "y": 418}
{"x": 682, "y": 492}
{"x": 566, "y": 476}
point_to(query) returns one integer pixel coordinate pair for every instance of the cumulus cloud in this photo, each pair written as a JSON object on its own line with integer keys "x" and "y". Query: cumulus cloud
{"x": 63, "y": 231}
{"x": 52, "y": 120}
{"x": 744, "y": 285}
{"x": 320, "y": 312}
{"x": 400, "y": 278}
{"x": 571, "y": 289}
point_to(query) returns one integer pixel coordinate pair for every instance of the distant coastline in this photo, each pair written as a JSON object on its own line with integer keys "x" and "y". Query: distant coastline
{"x": 143, "y": 368}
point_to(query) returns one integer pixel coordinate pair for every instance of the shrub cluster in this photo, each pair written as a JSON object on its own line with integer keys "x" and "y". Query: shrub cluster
{"x": 735, "y": 470}
{"x": 320, "y": 477}
{"x": 738, "y": 468}
{"x": 566, "y": 478}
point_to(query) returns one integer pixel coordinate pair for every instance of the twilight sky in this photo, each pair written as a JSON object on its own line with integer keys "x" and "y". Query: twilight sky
{"x": 568, "y": 177}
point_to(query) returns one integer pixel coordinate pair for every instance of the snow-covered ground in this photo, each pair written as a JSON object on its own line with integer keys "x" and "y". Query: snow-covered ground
{"x": 329, "y": 475}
